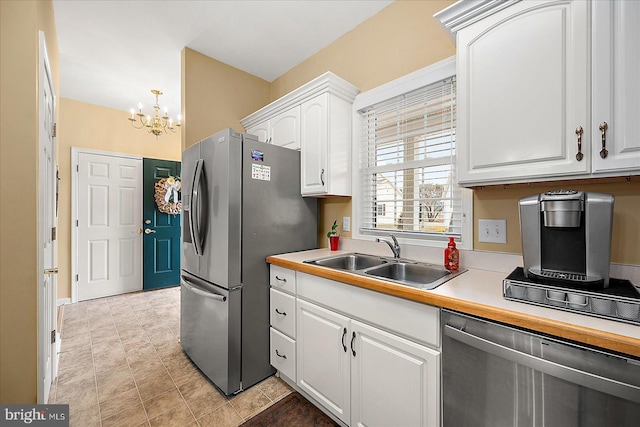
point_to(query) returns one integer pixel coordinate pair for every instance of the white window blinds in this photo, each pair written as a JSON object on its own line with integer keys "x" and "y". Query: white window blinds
{"x": 407, "y": 164}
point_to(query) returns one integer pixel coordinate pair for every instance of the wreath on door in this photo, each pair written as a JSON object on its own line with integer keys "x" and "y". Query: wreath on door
{"x": 167, "y": 195}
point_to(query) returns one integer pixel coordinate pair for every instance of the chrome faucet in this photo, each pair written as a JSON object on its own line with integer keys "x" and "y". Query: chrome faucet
{"x": 395, "y": 247}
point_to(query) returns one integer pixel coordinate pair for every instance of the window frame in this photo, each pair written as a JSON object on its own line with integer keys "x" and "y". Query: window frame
{"x": 426, "y": 76}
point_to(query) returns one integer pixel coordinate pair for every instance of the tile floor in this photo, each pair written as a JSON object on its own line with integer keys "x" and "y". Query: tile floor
{"x": 121, "y": 365}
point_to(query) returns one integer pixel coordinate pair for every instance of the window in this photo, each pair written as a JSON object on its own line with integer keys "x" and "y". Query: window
{"x": 407, "y": 165}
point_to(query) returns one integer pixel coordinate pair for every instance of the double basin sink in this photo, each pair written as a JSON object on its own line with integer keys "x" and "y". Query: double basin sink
{"x": 404, "y": 272}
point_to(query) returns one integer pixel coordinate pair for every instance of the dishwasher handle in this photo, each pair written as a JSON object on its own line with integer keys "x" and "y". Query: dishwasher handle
{"x": 576, "y": 376}
{"x": 191, "y": 287}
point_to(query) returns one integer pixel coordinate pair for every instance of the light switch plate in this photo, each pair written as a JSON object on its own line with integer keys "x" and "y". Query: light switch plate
{"x": 346, "y": 223}
{"x": 492, "y": 230}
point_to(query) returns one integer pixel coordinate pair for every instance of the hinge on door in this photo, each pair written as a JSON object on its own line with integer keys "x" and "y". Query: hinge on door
{"x": 76, "y": 222}
{"x": 77, "y": 277}
{"x": 55, "y": 130}
{"x": 53, "y": 336}
{"x": 53, "y": 233}
{"x": 77, "y": 168}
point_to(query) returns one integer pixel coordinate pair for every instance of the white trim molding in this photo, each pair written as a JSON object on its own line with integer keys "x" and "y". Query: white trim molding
{"x": 327, "y": 82}
{"x": 465, "y": 12}
{"x": 63, "y": 301}
{"x": 428, "y": 75}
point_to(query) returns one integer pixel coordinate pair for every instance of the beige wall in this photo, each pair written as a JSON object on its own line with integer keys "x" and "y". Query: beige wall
{"x": 502, "y": 203}
{"x": 216, "y": 96}
{"x": 402, "y": 38}
{"x": 97, "y": 128}
{"x": 19, "y": 45}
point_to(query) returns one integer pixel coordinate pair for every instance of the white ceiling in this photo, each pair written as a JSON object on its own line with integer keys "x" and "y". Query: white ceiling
{"x": 112, "y": 53}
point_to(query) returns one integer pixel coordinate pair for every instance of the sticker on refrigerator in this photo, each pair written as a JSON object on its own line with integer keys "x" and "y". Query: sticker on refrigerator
{"x": 260, "y": 172}
{"x": 258, "y": 156}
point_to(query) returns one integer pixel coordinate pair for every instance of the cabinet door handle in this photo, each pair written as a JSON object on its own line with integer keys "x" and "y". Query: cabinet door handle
{"x": 353, "y": 337}
{"x": 579, "y": 155}
{"x": 322, "y": 176}
{"x": 284, "y": 356}
{"x": 603, "y": 128}
{"x": 282, "y": 313}
{"x": 344, "y": 334}
{"x": 281, "y": 280}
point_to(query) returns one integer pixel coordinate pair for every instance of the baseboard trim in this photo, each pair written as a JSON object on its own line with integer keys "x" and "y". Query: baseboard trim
{"x": 63, "y": 301}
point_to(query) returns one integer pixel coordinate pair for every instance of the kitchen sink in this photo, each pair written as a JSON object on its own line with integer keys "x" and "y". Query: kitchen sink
{"x": 349, "y": 262}
{"x": 421, "y": 276}
{"x": 400, "y": 271}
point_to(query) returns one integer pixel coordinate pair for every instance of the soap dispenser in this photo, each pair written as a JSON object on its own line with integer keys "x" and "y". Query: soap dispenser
{"x": 451, "y": 256}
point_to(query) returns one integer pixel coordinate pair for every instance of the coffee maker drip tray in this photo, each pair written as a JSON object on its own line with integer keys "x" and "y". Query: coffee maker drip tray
{"x": 620, "y": 301}
{"x": 563, "y": 278}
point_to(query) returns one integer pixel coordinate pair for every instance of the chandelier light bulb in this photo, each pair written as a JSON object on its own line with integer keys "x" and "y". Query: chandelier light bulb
{"x": 139, "y": 105}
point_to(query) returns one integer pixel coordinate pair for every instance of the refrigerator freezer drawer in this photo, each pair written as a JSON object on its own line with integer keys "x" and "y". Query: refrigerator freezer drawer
{"x": 210, "y": 331}
{"x": 283, "y": 312}
{"x": 283, "y": 354}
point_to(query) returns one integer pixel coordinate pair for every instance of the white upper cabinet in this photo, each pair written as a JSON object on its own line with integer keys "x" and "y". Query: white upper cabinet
{"x": 326, "y": 146}
{"x": 535, "y": 81}
{"x": 522, "y": 93}
{"x": 261, "y": 130}
{"x": 315, "y": 118}
{"x": 616, "y": 87}
{"x": 283, "y": 129}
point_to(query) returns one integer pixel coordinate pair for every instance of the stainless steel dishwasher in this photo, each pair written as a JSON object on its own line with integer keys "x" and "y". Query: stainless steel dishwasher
{"x": 494, "y": 375}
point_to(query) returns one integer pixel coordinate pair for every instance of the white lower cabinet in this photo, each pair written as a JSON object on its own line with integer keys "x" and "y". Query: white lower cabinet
{"x": 283, "y": 353}
{"x": 394, "y": 382}
{"x": 323, "y": 357}
{"x": 367, "y": 358}
{"x": 363, "y": 375}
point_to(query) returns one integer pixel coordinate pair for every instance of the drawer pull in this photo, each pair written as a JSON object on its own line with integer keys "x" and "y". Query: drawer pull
{"x": 284, "y": 356}
{"x": 282, "y": 313}
{"x": 281, "y": 280}
{"x": 344, "y": 334}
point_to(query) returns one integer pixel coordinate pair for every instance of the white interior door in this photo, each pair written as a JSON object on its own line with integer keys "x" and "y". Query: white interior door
{"x": 109, "y": 207}
{"x": 46, "y": 226}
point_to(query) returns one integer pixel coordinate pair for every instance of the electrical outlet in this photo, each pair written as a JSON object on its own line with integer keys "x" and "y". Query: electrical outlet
{"x": 492, "y": 230}
{"x": 346, "y": 223}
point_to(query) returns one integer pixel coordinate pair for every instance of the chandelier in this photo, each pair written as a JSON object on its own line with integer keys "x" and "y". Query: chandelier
{"x": 157, "y": 124}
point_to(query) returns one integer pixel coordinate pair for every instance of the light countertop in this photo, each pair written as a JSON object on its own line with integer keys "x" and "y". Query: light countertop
{"x": 479, "y": 292}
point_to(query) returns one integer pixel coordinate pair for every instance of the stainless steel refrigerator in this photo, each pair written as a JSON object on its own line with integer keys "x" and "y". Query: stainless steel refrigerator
{"x": 241, "y": 201}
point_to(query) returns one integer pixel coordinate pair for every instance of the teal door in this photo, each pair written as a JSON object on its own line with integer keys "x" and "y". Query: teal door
{"x": 161, "y": 238}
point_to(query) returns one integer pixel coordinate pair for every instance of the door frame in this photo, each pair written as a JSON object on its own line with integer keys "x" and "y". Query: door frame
{"x": 75, "y": 153}
{"x": 50, "y": 351}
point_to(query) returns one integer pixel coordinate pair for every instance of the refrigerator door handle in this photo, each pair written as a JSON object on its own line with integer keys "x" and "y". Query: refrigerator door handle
{"x": 194, "y": 209}
{"x": 202, "y": 293}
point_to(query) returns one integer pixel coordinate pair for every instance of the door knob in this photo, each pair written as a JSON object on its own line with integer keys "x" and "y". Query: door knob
{"x": 149, "y": 231}
{"x": 147, "y": 221}
{"x": 51, "y": 270}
